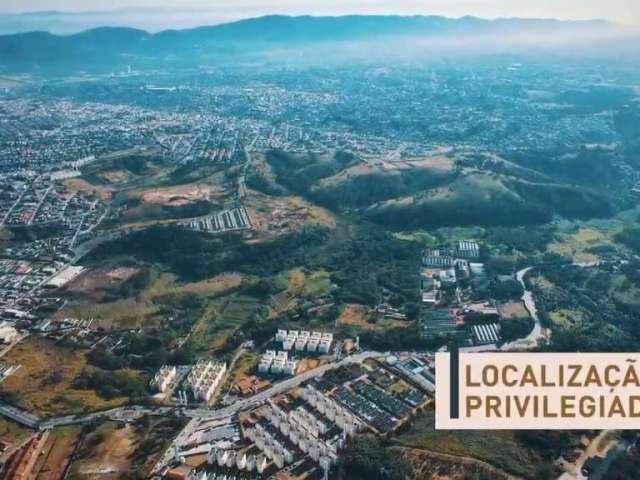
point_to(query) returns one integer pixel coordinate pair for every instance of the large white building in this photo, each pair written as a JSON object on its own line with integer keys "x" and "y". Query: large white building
{"x": 163, "y": 378}
{"x": 277, "y": 363}
{"x": 305, "y": 341}
{"x": 204, "y": 378}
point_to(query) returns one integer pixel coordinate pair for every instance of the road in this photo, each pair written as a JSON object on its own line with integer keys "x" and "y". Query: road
{"x": 123, "y": 414}
{"x": 126, "y": 414}
{"x": 19, "y": 416}
{"x": 537, "y": 334}
{"x": 278, "y": 388}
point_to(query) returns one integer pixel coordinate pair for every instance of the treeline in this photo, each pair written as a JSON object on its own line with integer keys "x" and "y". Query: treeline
{"x": 368, "y": 457}
{"x": 365, "y": 263}
{"x": 109, "y": 385}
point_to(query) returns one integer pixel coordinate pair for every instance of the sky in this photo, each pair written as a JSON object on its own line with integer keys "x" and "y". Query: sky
{"x": 217, "y": 11}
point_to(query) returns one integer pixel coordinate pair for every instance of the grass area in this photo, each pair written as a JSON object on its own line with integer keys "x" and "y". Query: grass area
{"x": 566, "y": 317}
{"x": 12, "y": 432}
{"x": 399, "y": 387}
{"x": 166, "y": 288}
{"x": 355, "y": 315}
{"x": 542, "y": 283}
{"x": 425, "y": 238}
{"x": 578, "y": 244}
{"x": 315, "y": 284}
{"x": 57, "y": 452}
{"x": 275, "y": 216}
{"x": 44, "y": 382}
{"x": 499, "y": 448}
{"x": 244, "y": 366}
{"x": 105, "y": 453}
{"x": 222, "y": 317}
{"x": 79, "y": 185}
{"x": 513, "y": 310}
{"x": 126, "y": 313}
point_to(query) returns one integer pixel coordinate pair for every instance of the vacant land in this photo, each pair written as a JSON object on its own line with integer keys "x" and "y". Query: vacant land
{"x": 566, "y": 317}
{"x": 11, "y": 432}
{"x": 105, "y": 453}
{"x": 221, "y": 319}
{"x": 275, "y": 216}
{"x": 97, "y": 282}
{"x": 514, "y": 310}
{"x": 166, "y": 286}
{"x": 579, "y": 245}
{"x": 499, "y": 448}
{"x": 121, "y": 314}
{"x": 244, "y": 367}
{"x": 80, "y": 185}
{"x": 56, "y": 453}
{"x": 356, "y": 315}
{"x": 181, "y": 194}
{"x": 44, "y": 382}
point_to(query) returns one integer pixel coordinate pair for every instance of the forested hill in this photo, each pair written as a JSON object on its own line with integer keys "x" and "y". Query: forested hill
{"x": 102, "y": 47}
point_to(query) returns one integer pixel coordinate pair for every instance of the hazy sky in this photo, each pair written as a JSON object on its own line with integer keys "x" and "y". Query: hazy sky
{"x": 626, "y": 11}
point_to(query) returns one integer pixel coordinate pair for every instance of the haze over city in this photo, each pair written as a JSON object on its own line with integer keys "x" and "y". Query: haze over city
{"x": 235, "y": 252}
{"x": 67, "y": 16}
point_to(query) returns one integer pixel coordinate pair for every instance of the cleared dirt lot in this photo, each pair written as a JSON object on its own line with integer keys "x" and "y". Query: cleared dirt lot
{"x": 105, "y": 453}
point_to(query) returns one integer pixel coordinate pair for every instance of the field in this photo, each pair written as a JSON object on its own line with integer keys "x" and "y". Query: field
{"x": 243, "y": 368}
{"x": 56, "y": 453}
{"x": 499, "y": 448}
{"x": 80, "y": 185}
{"x": 222, "y": 317}
{"x": 577, "y": 245}
{"x": 44, "y": 382}
{"x": 437, "y": 165}
{"x": 275, "y": 216}
{"x": 513, "y": 310}
{"x": 95, "y": 283}
{"x": 105, "y": 453}
{"x": 355, "y": 315}
{"x": 166, "y": 286}
{"x": 141, "y": 310}
{"x": 565, "y": 317}
{"x": 11, "y": 432}
{"x": 127, "y": 313}
{"x": 180, "y": 195}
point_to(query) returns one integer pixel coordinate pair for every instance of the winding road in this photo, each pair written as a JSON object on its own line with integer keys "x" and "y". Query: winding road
{"x": 533, "y": 339}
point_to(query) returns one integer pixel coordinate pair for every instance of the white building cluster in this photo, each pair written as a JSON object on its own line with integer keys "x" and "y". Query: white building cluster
{"x": 239, "y": 459}
{"x": 333, "y": 411}
{"x": 163, "y": 378}
{"x": 204, "y": 378}
{"x": 305, "y": 341}
{"x": 277, "y": 363}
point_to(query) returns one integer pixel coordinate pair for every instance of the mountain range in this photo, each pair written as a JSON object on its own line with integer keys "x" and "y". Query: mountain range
{"x": 109, "y": 45}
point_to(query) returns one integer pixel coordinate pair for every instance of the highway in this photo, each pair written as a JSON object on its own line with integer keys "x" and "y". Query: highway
{"x": 278, "y": 388}
{"x": 130, "y": 413}
{"x": 123, "y": 414}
